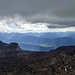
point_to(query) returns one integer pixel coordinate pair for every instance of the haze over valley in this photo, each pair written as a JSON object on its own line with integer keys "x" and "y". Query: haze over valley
{"x": 40, "y": 41}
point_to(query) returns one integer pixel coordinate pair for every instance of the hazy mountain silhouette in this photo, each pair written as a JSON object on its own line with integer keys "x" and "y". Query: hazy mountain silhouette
{"x": 38, "y": 41}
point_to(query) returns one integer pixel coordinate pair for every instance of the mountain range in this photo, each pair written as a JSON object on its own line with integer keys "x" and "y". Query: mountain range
{"x": 40, "y": 41}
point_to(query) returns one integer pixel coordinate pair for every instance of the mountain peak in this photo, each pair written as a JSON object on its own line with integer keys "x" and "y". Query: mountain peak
{"x": 15, "y": 46}
{"x": 4, "y": 47}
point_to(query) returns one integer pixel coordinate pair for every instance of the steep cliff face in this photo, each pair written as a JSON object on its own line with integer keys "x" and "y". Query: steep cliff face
{"x": 9, "y": 47}
{"x": 14, "y": 46}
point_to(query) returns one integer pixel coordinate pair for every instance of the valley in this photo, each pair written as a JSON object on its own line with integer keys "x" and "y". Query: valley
{"x": 40, "y": 41}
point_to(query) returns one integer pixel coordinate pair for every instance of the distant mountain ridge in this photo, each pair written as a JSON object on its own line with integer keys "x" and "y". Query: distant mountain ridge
{"x": 39, "y": 41}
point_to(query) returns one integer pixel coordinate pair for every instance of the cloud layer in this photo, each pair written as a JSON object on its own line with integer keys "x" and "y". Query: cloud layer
{"x": 17, "y": 24}
{"x": 37, "y": 15}
{"x": 20, "y": 25}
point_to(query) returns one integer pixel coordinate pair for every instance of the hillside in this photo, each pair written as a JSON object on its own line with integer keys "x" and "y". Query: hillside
{"x": 60, "y": 61}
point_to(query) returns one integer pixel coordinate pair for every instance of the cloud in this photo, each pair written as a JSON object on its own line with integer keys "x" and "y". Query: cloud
{"x": 39, "y": 10}
{"x": 20, "y": 25}
{"x": 37, "y": 15}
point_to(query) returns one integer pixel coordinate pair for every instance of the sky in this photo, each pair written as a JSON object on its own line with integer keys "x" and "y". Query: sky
{"x": 37, "y": 15}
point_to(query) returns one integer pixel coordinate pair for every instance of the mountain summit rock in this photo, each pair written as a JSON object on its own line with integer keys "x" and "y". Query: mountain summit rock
{"x": 4, "y": 47}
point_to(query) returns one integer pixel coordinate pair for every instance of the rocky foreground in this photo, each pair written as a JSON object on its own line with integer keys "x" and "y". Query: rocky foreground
{"x": 14, "y": 61}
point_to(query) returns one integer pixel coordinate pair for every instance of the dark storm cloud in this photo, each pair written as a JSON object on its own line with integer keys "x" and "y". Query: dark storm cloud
{"x": 24, "y": 7}
{"x": 52, "y": 11}
{"x": 60, "y": 26}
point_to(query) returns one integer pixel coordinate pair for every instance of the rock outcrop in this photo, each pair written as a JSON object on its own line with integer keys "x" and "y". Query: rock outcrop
{"x": 4, "y": 47}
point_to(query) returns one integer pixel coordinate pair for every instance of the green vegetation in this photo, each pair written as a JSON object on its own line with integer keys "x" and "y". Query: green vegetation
{"x": 46, "y": 45}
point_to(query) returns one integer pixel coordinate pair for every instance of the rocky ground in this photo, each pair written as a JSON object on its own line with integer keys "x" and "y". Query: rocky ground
{"x": 17, "y": 62}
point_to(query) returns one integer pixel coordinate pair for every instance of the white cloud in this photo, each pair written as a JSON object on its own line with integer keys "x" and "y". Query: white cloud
{"x": 70, "y": 29}
{"x": 18, "y": 24}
